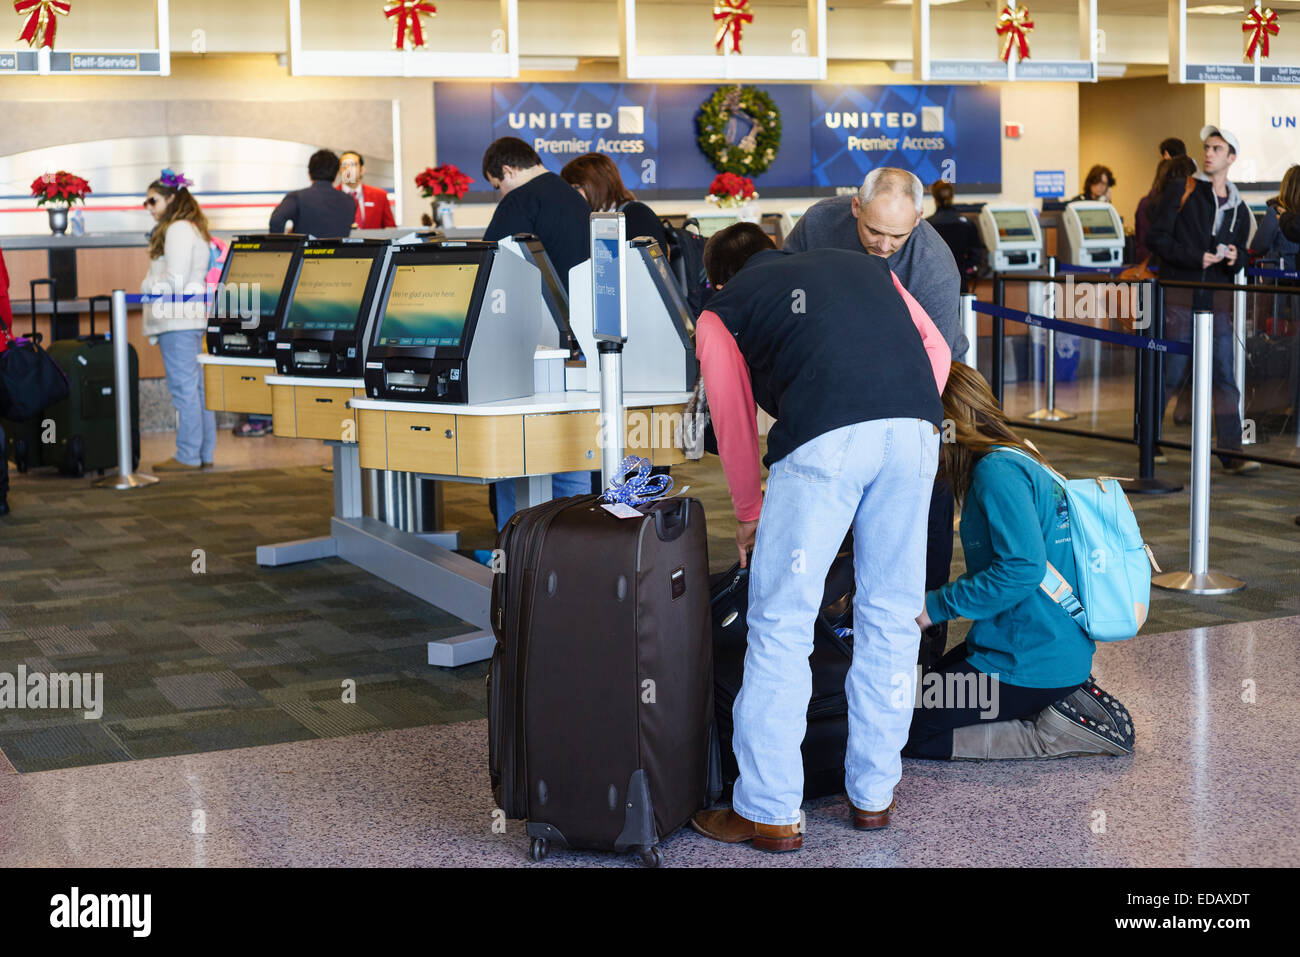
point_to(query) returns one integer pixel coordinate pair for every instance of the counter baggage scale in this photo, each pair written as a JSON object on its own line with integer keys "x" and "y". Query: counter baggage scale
{"x": 1093, "y": 235}
{"x": 438, "y": 313}
{"x": 241, "y": 329}
{"x": 713, "y": 220}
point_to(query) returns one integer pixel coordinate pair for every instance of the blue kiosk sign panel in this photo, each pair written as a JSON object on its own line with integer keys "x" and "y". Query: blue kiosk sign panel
{"x": 831, "y": 136}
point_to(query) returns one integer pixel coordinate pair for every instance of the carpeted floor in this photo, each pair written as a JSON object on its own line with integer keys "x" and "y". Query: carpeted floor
{"x": 237, "y": 656}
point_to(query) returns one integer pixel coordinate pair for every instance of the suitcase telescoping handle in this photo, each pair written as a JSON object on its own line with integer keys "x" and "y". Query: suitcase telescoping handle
{"x": 107, "y": 300}
{"x": 671, "y": 518}
{"x": 54, "y": 306}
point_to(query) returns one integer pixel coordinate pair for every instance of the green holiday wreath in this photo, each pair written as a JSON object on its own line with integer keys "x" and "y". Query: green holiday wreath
{"x": 756, "y": 151}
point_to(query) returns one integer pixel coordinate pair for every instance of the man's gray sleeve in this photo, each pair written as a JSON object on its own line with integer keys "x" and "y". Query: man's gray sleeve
{"x": 938, "y": 290}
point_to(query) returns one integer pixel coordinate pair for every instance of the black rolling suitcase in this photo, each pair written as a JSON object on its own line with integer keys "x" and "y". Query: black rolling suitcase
{"x": 85, "y": 423}
{"x": 600, "y": 691}
{"x": 23, "y": 438}
{"x": 827, "y": 736}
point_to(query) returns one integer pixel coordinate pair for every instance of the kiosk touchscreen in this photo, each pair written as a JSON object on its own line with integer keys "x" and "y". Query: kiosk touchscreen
{"x": 554, "y": 297}
{"x": 1094, "y": 234}
{"x": 1012, "y": 236}
{"x": 456, "y": 322}
{"x": 658, "y": 355}
{"x": 324, "y": 329}
{"x": 252, "y": 297}
{"x": 713, "y": 220}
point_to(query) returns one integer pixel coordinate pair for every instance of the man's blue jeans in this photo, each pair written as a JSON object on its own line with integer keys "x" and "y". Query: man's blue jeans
{"x": 876, "y": 477}
{"x": 196, "y": 430}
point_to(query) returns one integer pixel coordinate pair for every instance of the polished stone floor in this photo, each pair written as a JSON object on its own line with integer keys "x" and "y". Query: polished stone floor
{"x": 1213, "y": 782}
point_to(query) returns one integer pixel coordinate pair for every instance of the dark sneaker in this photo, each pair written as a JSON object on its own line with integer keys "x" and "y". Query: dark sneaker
{"x": 1240, "y": 466}
{"x": 247, "y": 430}
{"x": 1088, "y": 719}
{"x": 1106, "y": 707}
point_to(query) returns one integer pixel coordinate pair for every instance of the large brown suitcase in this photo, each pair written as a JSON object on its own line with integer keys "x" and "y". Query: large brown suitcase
{"x": 600, "y": 691}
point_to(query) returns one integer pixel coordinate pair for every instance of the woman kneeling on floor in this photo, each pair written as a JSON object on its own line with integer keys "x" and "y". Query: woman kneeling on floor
{"x": 1019, "y": 687}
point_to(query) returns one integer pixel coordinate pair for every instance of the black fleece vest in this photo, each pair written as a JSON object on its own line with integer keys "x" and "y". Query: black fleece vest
{"x": 829, "y": 342}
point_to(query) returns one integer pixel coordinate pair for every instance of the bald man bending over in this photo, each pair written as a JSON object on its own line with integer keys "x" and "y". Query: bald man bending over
{"x": 884, "y": 219}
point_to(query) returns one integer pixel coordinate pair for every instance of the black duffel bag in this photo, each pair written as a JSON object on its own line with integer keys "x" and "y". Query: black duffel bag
{"x": 828, "y": 711}
{"x": 30, "y": 380}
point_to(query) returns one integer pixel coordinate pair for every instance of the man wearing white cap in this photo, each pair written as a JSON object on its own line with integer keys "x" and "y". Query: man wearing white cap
{"x": 1200, "y": 235}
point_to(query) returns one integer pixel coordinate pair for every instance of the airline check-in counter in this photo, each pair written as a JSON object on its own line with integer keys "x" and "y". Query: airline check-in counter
{"x": 452, "y": 364}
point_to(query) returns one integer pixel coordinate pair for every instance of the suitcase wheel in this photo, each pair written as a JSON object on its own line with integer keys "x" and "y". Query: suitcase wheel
{"x": 651, "y": 856}
{"x": 539, "y": 848}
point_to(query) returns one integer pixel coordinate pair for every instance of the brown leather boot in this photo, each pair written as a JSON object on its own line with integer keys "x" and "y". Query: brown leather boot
{"x": 729, "y": 827}
{"x": 871, "y": 820}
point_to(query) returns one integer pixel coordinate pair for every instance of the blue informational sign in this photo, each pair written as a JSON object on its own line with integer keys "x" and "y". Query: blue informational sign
{"x": 1049, "y": 183}
{"x": 608, "y": 275}
{"x": 831, "y": 136}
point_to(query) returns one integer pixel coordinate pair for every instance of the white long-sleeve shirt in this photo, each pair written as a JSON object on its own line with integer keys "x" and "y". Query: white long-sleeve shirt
{"x": 182, "y": 268}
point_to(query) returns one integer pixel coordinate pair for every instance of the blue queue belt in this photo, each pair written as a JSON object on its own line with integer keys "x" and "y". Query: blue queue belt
{"x": 135, "y": 299}
{"x": 1085, "y": 332}
{"x": 1107, "y": 270}
{"x": 1274, "y": 273}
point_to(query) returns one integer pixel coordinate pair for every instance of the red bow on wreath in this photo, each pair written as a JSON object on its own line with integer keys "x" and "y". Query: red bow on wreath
{"x": 1259, "y": 26}
{"x": 734, "y": 14}
{"x": 42, "y": 19}
{"x": 1014, "y": 27}
{"x": 408, "y": 13}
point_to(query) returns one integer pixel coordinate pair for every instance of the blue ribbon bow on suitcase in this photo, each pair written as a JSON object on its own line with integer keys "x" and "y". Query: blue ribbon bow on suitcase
{"x": 633, "y": 484}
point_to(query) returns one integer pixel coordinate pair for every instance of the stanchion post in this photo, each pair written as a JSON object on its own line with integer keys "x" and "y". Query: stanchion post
{"x": 996, "y": 372}
{"x": 1239, "y": 346}
{"x": 1199, "y": 580}
{"x": 611, "y": 409}
{"x": 1051, "y": 413}
{"x": 970, "y": 329}
{"x": 126, "y": 476}
{"x": 1148, "y": 408}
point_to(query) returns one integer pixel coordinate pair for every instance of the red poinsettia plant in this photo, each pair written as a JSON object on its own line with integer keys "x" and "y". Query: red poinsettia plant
{"x": 443, "y": 182}
{"x": 732, "y": 186}
{"x": 62, "y": 188}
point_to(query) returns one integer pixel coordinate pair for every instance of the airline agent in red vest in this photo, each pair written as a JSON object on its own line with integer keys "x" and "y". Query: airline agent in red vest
{"x": 373, "y": 209}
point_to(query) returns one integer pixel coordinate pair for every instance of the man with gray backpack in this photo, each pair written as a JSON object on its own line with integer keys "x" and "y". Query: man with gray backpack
{"x": 1052, "y": 567}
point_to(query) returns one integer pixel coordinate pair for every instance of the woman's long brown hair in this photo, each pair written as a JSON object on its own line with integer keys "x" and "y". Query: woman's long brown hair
{"x": 184, "y": 206}
{"x": 976, "y": 423}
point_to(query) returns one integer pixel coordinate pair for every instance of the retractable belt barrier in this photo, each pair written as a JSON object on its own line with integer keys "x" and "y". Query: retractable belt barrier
{"x": 1086, "y": 332}
{"x": 1273, "y": 273}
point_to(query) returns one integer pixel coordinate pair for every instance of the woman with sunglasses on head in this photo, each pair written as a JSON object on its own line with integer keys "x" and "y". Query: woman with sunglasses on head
{"x": 180, "y": 249}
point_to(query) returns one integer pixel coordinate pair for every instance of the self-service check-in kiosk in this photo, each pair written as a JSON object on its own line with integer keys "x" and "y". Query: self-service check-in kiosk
{"x": 252, "y": 298}
{"x": 1012, "y": 236}
{"x": 658, "y": 356}
{"x": 532, "y": 251}
{"x": 457, "y": 322}
{"x": 713, "y": 220}
{"x": 323, "y": 332}
{"x": 1093, "y": 234}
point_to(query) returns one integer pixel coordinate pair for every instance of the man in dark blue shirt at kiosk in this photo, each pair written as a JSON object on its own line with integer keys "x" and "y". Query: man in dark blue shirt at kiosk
{"x": 319, "y": 210}
{"x": 535, "y": 200}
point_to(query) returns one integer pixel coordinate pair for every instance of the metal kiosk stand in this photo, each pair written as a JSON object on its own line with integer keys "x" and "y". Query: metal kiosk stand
{"x": 609, "y": 325}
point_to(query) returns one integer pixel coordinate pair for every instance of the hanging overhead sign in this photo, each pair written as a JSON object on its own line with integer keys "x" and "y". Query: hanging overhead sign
{"x": 725, "y": 40}
{"x": 51, "y": 40}
{"x": 1230, "y": 44}
{"x": 447, "y": 39}
{"x": 1021, "y": 46}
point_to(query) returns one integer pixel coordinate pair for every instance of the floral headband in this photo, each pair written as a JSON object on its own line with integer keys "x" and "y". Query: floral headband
{"x": 174, "y": 180}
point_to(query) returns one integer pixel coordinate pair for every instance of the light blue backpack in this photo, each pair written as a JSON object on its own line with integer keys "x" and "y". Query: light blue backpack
{"x": 1113, "y": 563}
